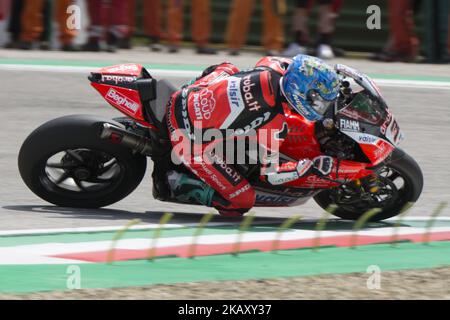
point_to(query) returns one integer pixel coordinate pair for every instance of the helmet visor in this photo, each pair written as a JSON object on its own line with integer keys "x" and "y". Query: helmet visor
{"x": 318, "y": 103}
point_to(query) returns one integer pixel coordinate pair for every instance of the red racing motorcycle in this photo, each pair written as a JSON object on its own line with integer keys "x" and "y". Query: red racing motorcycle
{"x": 87, "y": 161}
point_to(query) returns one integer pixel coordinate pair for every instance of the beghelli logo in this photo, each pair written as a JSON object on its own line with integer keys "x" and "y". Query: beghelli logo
{"x": 119, "y": 99}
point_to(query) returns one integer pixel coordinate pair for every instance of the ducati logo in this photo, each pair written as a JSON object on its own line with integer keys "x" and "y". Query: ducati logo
{"x": 204, "y": 104}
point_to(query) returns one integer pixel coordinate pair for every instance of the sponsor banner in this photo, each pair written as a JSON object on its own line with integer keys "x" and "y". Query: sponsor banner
{"x": 349, "y": 125}
{"x": 363, "y": 138}
{"x": 117, "y": 79}
{"x": 116, "y": 98}
{"x": 128, "y": 69}
{"x": 204, "y": 104}
{"x": 235, "y": 101}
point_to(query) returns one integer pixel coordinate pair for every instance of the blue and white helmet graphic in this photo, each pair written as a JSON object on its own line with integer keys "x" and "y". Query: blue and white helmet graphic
{"x": 310, "y": 86}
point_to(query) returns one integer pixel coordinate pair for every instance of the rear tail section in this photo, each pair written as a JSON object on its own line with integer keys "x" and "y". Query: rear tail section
{"x": 133, "y": 91}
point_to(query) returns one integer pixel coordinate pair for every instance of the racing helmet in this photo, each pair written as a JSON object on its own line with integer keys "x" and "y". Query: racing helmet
{"x": 310, "y": 86}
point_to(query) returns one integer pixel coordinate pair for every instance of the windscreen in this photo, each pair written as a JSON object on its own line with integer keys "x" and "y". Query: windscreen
{"x": 366, "y": 108}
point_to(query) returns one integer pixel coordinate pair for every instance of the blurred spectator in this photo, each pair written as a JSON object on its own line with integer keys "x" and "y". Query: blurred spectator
{"x": 403, "y": 45}
{"x": 109, "y": 24}
{"x": 4, "y": 11}
{"x": 328, "y": 11}
{"x": 14, "y": 25}
{"x": 151, "y": 21}
{"x": 448, "y": 37}
{"x": 132, "y": 9}
{"x": 31, "y": 24}
{"x": 66, "y": 35}
{"x": 239, "y": 21}
{"x": 200, "y": 25}
{"x": 46, "y": 25}
{"x": 437, "y": 15}
{"x": 29, "y": 29}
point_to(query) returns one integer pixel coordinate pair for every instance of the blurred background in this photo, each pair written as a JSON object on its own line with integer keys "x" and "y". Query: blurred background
{"x": 389, "y": 30}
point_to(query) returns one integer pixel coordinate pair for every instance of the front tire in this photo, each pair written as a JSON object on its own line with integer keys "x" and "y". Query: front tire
{"x": 401, "y": 167}
{"x": 65, "y": 162}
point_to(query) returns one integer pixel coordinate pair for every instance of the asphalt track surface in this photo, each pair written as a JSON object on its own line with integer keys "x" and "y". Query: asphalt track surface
{"x": 30, "y": 98}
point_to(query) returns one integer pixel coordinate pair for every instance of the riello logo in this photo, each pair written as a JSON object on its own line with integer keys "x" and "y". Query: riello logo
{"x": 119, "y": 99}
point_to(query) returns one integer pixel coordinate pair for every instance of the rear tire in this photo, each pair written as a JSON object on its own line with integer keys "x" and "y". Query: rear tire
{"x": 79, "y": 135}
{"x": 407, "y": 168}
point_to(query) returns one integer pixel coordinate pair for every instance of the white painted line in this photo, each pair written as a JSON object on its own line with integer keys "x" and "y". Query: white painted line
{"x": 44, "y": 68}
{"x": 87, "y": 70}
{"x": 25, "y": 232}
{"x": 418, "y": 84}
{"x": 418, "y": 218}
{"x": 16, "y": 258}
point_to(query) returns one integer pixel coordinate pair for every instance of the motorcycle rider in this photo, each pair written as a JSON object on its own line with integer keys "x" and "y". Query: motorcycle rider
{"x": 224, "y": 97}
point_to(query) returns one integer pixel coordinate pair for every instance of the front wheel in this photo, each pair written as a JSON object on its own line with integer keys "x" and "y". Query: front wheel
{"x": 400, "y": 182}
{"x": 65, "y": 162}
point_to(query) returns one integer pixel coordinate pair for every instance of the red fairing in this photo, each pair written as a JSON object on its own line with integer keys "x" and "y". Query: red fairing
{"x": 300, "y": 142}
{"x": 377, "y": 152}
{"x": 348, "y": 170}
{"x": 125, "y": 100}
{"x": 128, "y": 69}
{"x": 277, "y": 64}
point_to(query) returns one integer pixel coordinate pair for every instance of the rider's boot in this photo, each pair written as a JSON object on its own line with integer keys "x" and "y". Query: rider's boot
{"x": 161, "y": 164}
{"x": 161, "y": 190}
{"x": 188, "y": 190}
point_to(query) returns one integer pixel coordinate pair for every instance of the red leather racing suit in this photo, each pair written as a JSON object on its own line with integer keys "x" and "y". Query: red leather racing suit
{"x": 226, "y": 98}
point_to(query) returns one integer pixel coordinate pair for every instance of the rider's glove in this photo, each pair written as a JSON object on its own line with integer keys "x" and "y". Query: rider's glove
{"x": 304, "y": 167}
{"x": 322, "y": 165}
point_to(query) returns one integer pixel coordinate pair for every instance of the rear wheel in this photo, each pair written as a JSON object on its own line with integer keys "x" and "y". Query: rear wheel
{"x": 65, "y": 162}
{"x": 399, "y": 182}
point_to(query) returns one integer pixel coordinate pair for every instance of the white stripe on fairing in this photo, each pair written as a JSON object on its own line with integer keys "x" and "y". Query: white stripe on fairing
{"x": 236, "y": 109}
{"x": 419, "y": 84}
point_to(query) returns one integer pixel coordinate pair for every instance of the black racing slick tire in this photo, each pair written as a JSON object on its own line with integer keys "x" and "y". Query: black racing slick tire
{"x": 402, "y": 167}
{"x": 66, "y": 163}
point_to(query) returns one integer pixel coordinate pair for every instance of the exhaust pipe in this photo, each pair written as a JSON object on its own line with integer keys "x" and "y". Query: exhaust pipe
{"x": 126, "y": 138}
